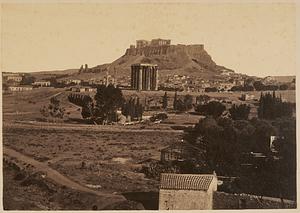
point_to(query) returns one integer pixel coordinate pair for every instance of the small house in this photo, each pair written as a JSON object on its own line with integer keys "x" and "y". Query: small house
{"x": 187, "y": 191}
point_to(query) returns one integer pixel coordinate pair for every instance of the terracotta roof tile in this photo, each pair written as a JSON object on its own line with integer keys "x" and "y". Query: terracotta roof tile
{"x": 185, "y": 181}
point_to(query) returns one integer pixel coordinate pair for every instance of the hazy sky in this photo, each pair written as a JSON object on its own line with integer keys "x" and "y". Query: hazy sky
{"x": 256, "y": 39}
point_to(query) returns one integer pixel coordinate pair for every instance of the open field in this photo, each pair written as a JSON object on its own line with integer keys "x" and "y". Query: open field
{"x": 110, "y": 159}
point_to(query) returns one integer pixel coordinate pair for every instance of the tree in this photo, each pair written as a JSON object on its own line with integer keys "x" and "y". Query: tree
{"x": 272, "y": 107}
{"x": 213, "y": 108}
{"x": 219, "y": 144}
{"x": 283, "y": 87}
{"x": 133, "y": 108}
{"x": 175, "y": 101}
{"x": 259, "y": 86}
{"x": 108, "y": 100}
{"x": 262, "y": 134}
{"x": 54, "y": 110}
{"x": 239, "y": 112}
{"x": 180, "y": 106}
{"x": 188, "y": 102}
{"x": 286, "y": 147}
{"x": 165, "y": 101}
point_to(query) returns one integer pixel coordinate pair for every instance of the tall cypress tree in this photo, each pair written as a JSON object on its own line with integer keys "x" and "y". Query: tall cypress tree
{"x": 175, "y": 101}
{"x": 165, "y": 101}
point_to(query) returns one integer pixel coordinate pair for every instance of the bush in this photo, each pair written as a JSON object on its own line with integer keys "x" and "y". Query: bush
{"x": 239, "y": 112}
{"x": 213, "y": 108}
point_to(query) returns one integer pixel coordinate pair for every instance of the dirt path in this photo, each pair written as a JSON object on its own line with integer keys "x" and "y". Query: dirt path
{"x": 100, "y": 128}
{"x": 55, "y": 95}
{"x": 57, "y": 177}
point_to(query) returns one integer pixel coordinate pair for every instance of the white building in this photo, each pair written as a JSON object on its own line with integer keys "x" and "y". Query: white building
{"x": 42, "y": 83}
{"x": 187, "y": 191}
{"x": 19, "y": 88}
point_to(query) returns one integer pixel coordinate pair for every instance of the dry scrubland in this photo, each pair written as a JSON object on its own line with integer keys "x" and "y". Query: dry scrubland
{"x": 109, "y": 159}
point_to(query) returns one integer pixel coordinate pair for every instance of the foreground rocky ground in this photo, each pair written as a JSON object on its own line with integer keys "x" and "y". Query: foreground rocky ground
{"x": 27, "y": 188}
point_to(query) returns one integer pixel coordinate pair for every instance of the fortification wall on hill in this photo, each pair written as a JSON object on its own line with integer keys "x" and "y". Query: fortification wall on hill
{"x": 163, "y": 50}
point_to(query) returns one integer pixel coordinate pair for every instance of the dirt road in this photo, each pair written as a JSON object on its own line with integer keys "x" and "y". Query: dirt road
{"x": 106, "y": 199}
{"x": 100, "y": 128}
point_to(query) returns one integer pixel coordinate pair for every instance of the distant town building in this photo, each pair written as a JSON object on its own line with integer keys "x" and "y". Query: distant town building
{"x": 187, "y": 191}
{"x": 144, "y": 76}
{"x": 246, "y": 97}
{"x": 42, "y": 83}
{"x": 12, "y": 77}
{"x": 74, "y": 81}
{"x": 19, "y": 88}
{"x": 83, "y": 89}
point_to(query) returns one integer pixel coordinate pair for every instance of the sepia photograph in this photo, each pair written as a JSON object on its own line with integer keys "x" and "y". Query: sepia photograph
{"x": 148, "y": 105}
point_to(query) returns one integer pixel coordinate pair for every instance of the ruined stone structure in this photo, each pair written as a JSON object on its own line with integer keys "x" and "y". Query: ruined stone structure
{"x": 161, "y": 47}
{"x": 142, "y": 43}
{"x": 144, "y": 76}
{"x": 187, "y": 191}
{"x": 160, "y": 42}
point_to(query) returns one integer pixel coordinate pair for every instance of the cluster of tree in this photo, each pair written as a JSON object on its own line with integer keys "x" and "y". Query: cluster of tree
{"x": 184, "y": 104}
{"x": 53, "y": 110}
{"x": 103, "y": 108}
{"x": 108, "y": 99}
{"x": 224, "y": 142}
{"x": 286, "y": 147}
{"x": 133, "y": 108}
{"x": 55, "y": 83}
{"x": 272, "y": 107}
{"x": 79, "y": 99}
{"x": 259, "y": 86}
{"x": 213, "y": 108}
{"x": 245, "y": 87}
{"x": 85, "y": 101}
{"x": 240, "y": 112}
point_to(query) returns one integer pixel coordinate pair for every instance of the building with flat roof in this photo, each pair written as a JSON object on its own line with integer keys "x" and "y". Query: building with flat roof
{"x": 144, "y": 76}
{"x": 42, "y": 83}
{"x": 19, "y": 88}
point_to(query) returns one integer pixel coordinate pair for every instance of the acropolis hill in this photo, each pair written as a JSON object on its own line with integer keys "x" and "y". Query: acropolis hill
{"x": 179, "y": 59}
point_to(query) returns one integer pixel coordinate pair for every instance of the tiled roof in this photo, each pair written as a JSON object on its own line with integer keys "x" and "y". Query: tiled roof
{"x": 185, "y": 181}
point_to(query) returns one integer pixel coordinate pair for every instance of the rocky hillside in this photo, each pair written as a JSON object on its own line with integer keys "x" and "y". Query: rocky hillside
{"x": 192, "y": 60}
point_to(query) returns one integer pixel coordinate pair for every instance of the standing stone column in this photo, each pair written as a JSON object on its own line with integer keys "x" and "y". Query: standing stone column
{"x": 140, "y": 78}
{"x": 148, "y": 78}
{"x": 156, "y": 78}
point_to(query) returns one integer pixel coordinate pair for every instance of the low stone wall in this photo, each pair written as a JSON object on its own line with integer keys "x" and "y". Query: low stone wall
{"x": 222, "y": 200}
